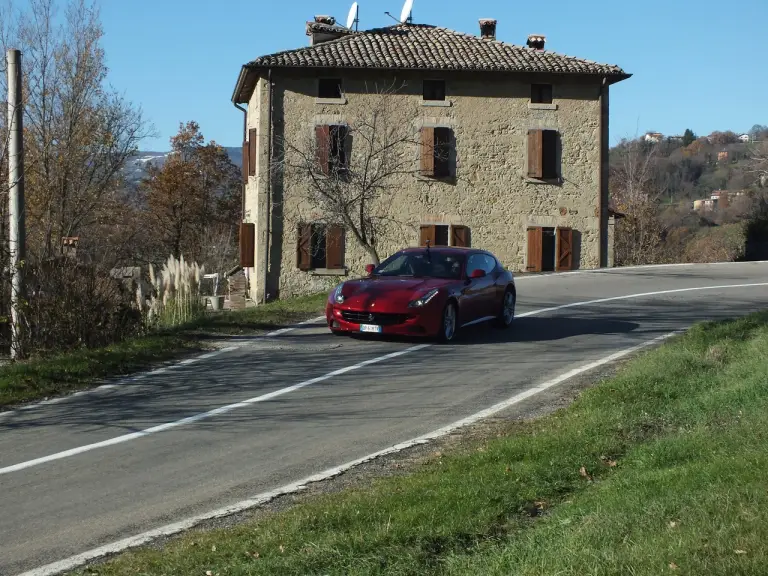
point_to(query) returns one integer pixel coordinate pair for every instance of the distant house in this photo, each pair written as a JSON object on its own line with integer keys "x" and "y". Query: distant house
{"x": 654, "y": 137}
{"x": 705, "y": 205}
{"x": 744, "y": 138}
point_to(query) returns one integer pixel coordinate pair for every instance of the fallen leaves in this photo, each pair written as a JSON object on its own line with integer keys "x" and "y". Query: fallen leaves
{"x": 673, "y": 566}
{"x": 584, "y": 474}
{"x": 740, "y": 551}
{"x": 608, "y": 462}
{"x": 673, "y": 524}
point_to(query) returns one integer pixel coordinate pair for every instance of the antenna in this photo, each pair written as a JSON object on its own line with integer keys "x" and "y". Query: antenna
{"x": 406, "y": 12}
{"x": 352, "y": 16}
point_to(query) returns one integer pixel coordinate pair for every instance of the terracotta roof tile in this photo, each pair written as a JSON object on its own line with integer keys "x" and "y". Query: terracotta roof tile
{"x": 420, "y": 46}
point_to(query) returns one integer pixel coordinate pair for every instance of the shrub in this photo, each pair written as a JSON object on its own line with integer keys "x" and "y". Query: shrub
{"x": 175, "y": 294}
{"x": 74, "y": 305}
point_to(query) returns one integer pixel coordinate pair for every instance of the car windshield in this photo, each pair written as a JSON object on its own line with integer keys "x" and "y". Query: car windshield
{"x": 421, "y": 264}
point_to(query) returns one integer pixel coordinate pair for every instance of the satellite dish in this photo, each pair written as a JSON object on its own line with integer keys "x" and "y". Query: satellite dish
{"x": 406, "y": 13}
{"x": 352, "y": 16}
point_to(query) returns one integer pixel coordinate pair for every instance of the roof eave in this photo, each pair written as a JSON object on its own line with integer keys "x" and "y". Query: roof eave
{"x": 615, "y": 78}
{"x": 612, "y": 78}
{"x": 242, "y": 93}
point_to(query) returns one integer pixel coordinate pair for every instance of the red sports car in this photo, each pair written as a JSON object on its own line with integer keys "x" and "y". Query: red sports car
{"x": 425, "y": 292}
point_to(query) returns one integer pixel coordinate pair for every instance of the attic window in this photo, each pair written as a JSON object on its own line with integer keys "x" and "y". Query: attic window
{"x": 329, "y": 88}
{"x": 541, "y": 93}
{"x": 434, "y": 90}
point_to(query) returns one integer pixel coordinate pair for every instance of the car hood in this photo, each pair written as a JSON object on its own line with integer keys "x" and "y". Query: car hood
{"x": 388, "y": 291}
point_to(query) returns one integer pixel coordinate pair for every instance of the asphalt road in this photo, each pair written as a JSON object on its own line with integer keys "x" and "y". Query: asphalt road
{"x": 54, "y": 509}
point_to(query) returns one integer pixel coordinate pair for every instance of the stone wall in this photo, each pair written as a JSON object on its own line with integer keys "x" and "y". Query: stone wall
{"x": 491, "y": 194}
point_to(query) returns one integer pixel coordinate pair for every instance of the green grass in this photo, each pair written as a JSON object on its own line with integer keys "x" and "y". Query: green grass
{"x": 673, "y": 450}
{"x": 267, "y": 317}
{"x": 55, "y": 375}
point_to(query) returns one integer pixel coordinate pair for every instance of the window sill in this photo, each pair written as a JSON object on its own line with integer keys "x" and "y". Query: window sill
{"x": 328, "y": 272}
{"x": 534, "y": 106}
{"x": 556, "y": 181}
{"x": 332, "y": 101}
{"x": 437, "y": 103}
{"x": 443, "y": 179}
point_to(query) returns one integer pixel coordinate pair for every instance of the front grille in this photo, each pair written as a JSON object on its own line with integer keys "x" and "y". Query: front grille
{"x": 373, "y": 318}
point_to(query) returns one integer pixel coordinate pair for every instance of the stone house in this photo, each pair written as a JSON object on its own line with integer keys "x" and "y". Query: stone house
{"x": 525, "y": 130}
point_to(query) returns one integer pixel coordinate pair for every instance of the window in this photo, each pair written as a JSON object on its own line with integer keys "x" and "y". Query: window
{"x": 549, "y": 249}
{"x": 436, "y": 147}
{"x": 418, "y": 264}
{"x": 320, "y": 246}
{"x": 541, "y": 93}
{"x": 433, "y": 90}
{"x": 481, "y": 261}
{"x": 438, "y": 235}
{"x": 542, "y": 154}
{"x": 332, "y": 149}
{"x": 329, "y": 88}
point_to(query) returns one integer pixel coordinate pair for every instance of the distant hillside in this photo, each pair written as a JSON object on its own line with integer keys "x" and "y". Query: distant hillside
{"x": 136, "y": 168}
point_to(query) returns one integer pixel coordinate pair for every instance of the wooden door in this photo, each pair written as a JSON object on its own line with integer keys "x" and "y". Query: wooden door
{"x": 564, "y": 249}
{"x": 534, "y": 263}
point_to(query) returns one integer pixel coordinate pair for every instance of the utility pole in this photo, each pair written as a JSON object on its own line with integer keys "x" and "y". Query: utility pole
{"x": 17, "y": 231}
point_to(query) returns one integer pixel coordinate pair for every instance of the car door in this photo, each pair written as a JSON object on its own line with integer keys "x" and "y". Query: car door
{"x": 477, "y": 292}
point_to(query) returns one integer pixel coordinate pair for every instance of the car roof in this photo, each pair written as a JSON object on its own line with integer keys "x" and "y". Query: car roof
{"x": 443, "y": 249}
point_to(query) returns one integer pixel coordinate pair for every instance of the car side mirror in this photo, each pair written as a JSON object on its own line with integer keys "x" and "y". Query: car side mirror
{"x": 369, "y": 268}
{"x": 477, "y": 273}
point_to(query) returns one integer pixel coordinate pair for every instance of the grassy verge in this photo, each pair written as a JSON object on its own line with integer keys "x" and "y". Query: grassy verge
{"x": 660, "y": 469}
{"x": 50, "y": 376}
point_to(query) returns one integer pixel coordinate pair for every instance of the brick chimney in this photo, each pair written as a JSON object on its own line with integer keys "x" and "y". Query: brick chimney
{"x": 324, "y": 28}
{"x": 488, "y": 28}
{"x": 536, "y": 41}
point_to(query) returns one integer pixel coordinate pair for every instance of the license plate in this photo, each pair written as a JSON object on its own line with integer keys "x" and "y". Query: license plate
{"x": 370, "y": 328}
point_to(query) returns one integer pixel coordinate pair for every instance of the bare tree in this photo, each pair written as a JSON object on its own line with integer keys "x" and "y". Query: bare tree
{"x": 636, "y": 192}
{"x": 758, "y": 163}
{"x": 79, "y": 133}
{"x": 350, "y": 172}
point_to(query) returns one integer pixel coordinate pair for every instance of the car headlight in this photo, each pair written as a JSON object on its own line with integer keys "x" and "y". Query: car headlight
{"x": 338, "y": 297}
{"x": 423, "y": 300}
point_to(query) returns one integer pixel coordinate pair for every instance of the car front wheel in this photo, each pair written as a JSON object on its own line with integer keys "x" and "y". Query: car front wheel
{"x": 448, "y": 323}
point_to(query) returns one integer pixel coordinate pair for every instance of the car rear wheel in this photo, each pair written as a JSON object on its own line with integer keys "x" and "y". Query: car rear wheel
{"x": 507, "y": 313}
{"x": 448, "y": 323}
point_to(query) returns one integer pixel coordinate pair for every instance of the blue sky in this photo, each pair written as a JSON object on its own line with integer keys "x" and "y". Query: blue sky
{"x": 695, "y": 64}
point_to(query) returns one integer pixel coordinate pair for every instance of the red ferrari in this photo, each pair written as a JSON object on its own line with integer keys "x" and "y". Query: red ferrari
{"x": 425, "y": 292}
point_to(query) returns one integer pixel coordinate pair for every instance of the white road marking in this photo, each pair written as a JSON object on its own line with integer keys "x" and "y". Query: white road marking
{"x": 203, "y": 415}
{"x": 264, "y": 497}
{"x": 620, "y": 269}
{"x": 638, "y": 295}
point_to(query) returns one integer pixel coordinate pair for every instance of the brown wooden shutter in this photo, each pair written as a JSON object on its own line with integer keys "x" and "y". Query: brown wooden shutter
{"x": 564, "y": 249}
{"x": 460, "y": 236}
{"x": 427, "y": 151}
{"x": 427, "y": 233}
{"x": 334, "y": 247}
{"x": 246, "y": 158}
{"x": 535, "y": 252}
{"x": 535, "y": 153}
{"x": 322, "y": 148}
{"x": 252, "y": 139}
{"x": 303, "y": 247}
{"x": 247, "y": 244}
